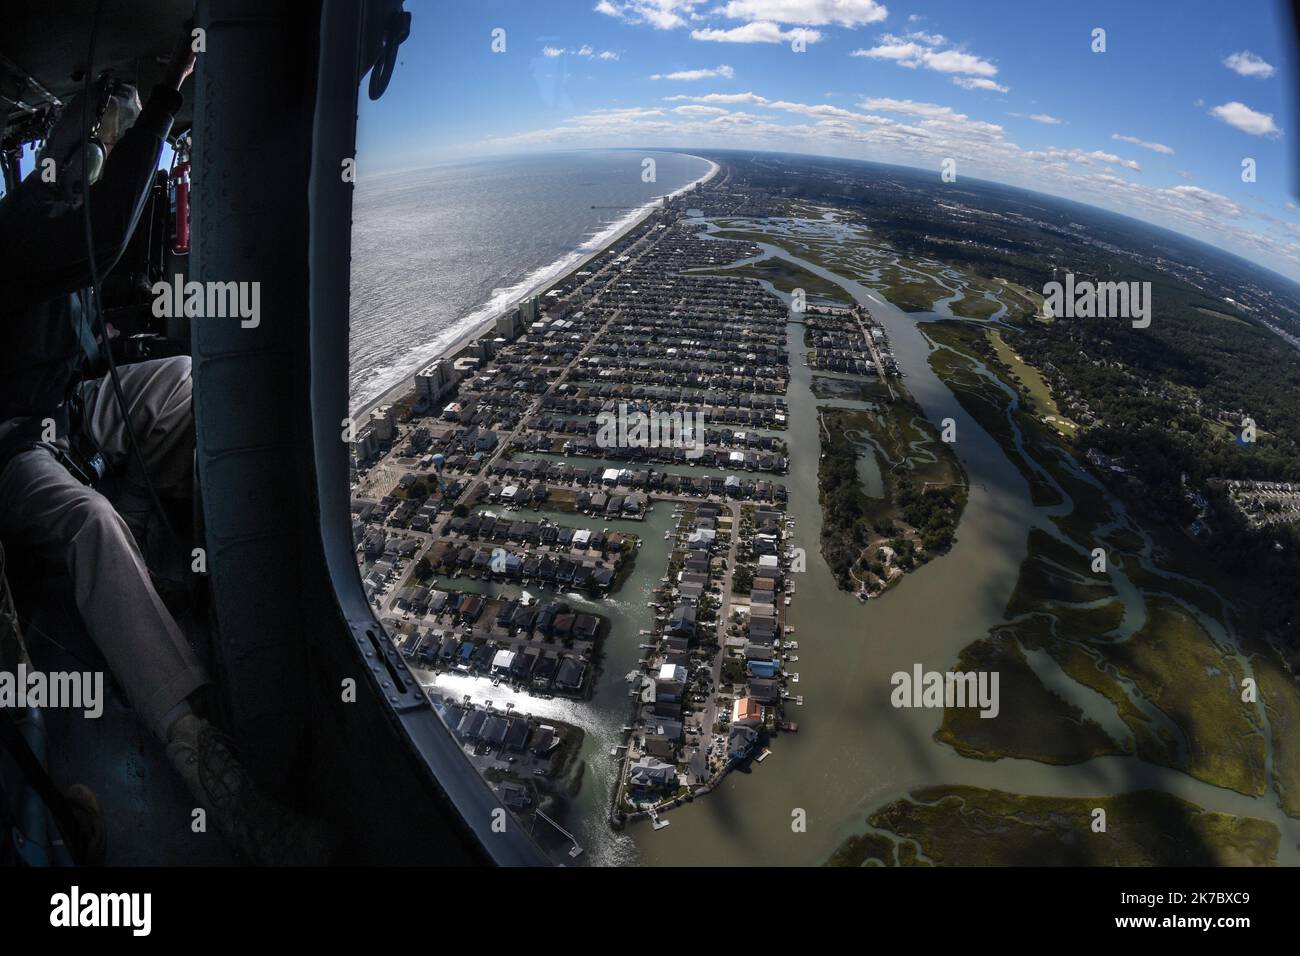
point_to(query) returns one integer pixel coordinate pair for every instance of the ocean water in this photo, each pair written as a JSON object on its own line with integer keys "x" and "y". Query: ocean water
{"x": 437, "y": 251}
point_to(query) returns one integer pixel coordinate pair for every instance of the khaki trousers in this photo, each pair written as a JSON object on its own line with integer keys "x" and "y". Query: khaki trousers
{"x": 45, "y": 509}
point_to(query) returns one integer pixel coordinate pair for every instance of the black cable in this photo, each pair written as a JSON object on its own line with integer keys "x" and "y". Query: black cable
{"x": 96, "y": 310}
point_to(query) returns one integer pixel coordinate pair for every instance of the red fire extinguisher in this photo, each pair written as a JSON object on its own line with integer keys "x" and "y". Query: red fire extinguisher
{"x": 181, "y": 183}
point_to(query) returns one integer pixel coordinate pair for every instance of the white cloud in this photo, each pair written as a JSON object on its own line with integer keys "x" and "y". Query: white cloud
{"x": 1082, "y": 158}
{"x": 1246, "y": 63}
{"x": 751, "y": 98}
{"x": 929, "y": 39}
{"x": 1154, "y": 147}
{"x": 921, "y": 134}
{"x": 980, "y": 83}
{"x": 696, "y": 109}
{"x": 844, "y": 13}
{"x": 660, "y": 14}
{"x": 586, "y": 51}
{"x": 1212, "y": 202}
{"x": 1043, "y": 118}
{"x": 909, "y": 107}
{"x": 922, "y": 50}
{"x": 827, "y": 111}
{"x": 954, "y": 61}
{"x": 723, "y": 71}
{"x": 1242, "y": 117}
{"x": 760, "y": 31}
{"x": 616, "y": 115}
{"x": 671, "y": 14}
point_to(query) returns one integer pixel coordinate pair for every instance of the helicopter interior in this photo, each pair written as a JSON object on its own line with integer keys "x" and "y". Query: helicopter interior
{"x": 249, "y": 191}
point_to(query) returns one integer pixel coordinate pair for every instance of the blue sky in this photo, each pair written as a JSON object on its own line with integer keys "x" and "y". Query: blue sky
{"x": 1157, "y": 126}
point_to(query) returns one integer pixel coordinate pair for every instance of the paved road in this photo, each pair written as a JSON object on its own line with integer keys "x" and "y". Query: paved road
{"x": 875, "y": 354}
{"x": 637, "y": 252}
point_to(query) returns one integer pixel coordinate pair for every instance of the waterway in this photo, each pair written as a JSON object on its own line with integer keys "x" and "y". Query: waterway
{"x": 854, "y": 752}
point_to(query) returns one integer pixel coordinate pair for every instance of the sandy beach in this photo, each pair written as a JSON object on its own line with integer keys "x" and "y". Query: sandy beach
{"x": 474, "y": 332}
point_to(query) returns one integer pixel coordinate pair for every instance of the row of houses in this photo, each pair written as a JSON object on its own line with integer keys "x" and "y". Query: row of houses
{"x": 657, "y": 373}
{"x": 664, "y": 694}
{"x": 699, "y": 457}
{"x": 728, "y": 438}
{"x": 487, "y": 727}
{"x": 537, "y": 668}
{"x": 747, "y": 409}
{"x": 510, "y": 616}
{"x": 506, "y": 529}
{"x": 744, "y": 409}
{"x": 577, "y": 571}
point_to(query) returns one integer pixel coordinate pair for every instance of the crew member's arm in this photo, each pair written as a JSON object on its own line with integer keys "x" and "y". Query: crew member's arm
{"x": 44, "y": 256}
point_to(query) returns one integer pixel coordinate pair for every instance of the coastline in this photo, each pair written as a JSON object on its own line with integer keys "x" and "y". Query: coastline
{"x": 633, "y": 219}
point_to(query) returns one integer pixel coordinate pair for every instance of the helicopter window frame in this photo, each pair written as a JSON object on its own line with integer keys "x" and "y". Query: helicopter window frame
{"x": 329, "y": 259}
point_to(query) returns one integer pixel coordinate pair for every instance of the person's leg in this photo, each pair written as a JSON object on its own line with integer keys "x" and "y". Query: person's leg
{"x": 44, "y": 508}
{"x": 158, "y": 395}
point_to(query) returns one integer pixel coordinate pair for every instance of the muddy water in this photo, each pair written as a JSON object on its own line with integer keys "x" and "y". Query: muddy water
{"x": 854, "y": 751}
{"x": 602, "y": 717}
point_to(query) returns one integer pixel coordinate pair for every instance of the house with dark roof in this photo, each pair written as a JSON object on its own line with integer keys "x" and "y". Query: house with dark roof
{"x": 517, "y": 735}
{"x": 586, "y": 627}
{"x": 682, "y": 622}
{"x": 570, "y": 674}
{"x": 763, "y": 690}
{"x": 544, "y": 670}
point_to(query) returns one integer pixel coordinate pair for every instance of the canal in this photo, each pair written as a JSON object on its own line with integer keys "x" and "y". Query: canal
{"x": 854, "y": 752}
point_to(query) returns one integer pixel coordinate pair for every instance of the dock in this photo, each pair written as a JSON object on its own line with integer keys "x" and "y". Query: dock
{"x": 575, "y": 851}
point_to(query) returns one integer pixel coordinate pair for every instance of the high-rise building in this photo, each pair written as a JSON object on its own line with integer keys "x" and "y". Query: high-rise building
{"x": 508, "y": 324}
{"x": 433, "y": 381}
